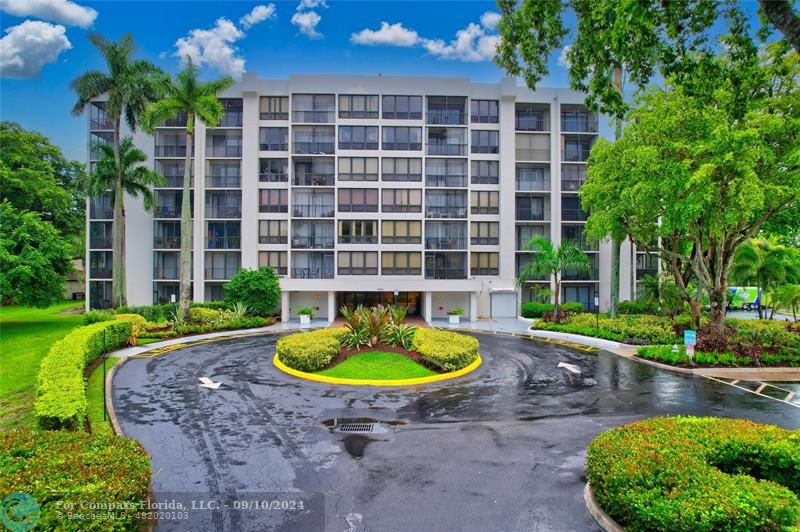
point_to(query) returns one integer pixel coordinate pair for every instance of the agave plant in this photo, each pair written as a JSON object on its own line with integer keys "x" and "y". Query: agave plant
{"x": 377, "y": 324}
{"x": 176, "y": 319}
{"x": 240, "y": 309}
{"x": 401, "y": 335}
{"x": 397, "y": 314}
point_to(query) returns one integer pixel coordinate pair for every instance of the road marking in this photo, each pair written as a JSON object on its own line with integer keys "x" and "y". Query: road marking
{"x": 789, "y": 397}
{"x": 760, "y": 388}
{"x": 208, "y": 383}
{"x": 757, "y": 391}
{"x": 569, "y": 367}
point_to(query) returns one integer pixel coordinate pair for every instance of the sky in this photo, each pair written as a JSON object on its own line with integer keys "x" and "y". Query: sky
{"x": 44, "y": 46}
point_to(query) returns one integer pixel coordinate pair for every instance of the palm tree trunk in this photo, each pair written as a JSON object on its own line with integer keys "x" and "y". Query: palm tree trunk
{"x": 118, "y": 289}
{"x": 615, "y": 261}
{"x": 186, "y": 224}
{"x": 556, "y": 295}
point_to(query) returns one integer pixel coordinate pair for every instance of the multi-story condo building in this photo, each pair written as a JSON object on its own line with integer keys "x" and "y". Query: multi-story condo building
{"x": 419, "y": 191}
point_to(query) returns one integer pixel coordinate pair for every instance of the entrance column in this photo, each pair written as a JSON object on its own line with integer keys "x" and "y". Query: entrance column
{"x": 473, "y": 306}
{"x": 426, "y": 306}
{"x": 284, "y": 306}
{"x": 331, "y": 306}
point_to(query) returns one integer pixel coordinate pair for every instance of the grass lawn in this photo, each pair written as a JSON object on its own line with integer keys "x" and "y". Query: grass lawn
{"x": 379, "y": 366}
{"x": 26, "y": 335}
{"x": 94, "y": 396}
{"x": 145, "y": 341}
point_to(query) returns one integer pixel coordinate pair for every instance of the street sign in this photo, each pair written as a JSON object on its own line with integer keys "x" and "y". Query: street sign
{"x": 690, "y": 337}
{"x": 690, "y": 351}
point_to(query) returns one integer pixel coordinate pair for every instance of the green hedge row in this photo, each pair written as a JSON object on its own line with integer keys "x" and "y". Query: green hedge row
{"x": 698, "y": 474}
{"x": 61, "y": 395}
{"x": 310, "y": 351}
{"x": 663, "y": 353}
{"x": 59, "y": 467}
{"x": 537, "y": 310}
{"x": 629, "y": 329}
{"x": 446, "y": 350}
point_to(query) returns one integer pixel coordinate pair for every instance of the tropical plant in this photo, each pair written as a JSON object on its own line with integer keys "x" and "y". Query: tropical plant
{"x": 199, "y": 101}
{"x": 458, "y": 311}
{"x": 552, "y": 261}
{"x": 401, "y": 335}
{"x": 788, "y": 297}
{"x": 376, "y": 321}
{"x": 306, "y": 311}
{"x": 767, "y": 265}
{"x": 660, "y": 292}
{"x": 177, "y": 319}
{"x": 259, "y": 290}
{"x": 239, "y": 309}
{"x": 128, "y": 88}
{"x": 397, "y": 314}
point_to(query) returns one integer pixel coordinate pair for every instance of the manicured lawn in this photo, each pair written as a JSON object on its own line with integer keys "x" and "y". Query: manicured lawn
{"x": 378, "y": 366}
{"x": 145, "y": 341}
{"x": 94, "y": 396}
{"x": 26, "y": 335}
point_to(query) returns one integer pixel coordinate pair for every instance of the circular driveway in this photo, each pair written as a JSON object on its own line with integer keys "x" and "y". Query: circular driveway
{"x": 502, "y": 448}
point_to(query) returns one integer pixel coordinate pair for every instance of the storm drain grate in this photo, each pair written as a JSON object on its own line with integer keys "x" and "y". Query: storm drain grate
{"x": 355, "y": 427}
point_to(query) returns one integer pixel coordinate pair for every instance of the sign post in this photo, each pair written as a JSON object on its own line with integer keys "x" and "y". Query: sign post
{"x": 690, "y": 340}
{"x": 596, "y": 313}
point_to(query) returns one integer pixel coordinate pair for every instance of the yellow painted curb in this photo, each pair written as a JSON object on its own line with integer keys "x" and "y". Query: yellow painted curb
{"x": 369, "y": 382}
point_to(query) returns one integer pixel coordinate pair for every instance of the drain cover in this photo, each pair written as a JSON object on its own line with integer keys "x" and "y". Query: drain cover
{"x": 355, "y": 427}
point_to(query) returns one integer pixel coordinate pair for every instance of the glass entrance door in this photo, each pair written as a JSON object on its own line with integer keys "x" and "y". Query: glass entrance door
{"x": 369, "y": 299}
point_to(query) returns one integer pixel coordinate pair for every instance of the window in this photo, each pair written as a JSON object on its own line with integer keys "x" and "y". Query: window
{"x": 314, "y": 108}
{"x": 445, "y": 265}
{"x": 571, "y": 209}
{"x": 358, "y": 137}
{"x": 273, "y": 232}
{"x": 358, "y": 200}
{"x": 312, "y": 265}
{"x": 314, "y": 171}
{"x": 223, "y": 174}
{"x": 484, "y": 112}
{"x": 532, "y": 147}
{"x": 401, "y": 232}
{"x": 402, "y": 138}
{"x": 274, "y": 139}
{"x": 484, "y": 233}
{"x": 232, "y": 112}
{"x": 277, "y": 260}
{"x": 447, "y": 141}
{"x": 358, "y": 263}
{"x": 526, "y": 232}
{"x": 312, "y": 235}
{"x": 100, "y": 235}
{"x": 358, "y": 168}
{"x": 273, "y": 170}
{"x": 274, "y": 108}
{"x": 574, "y": 233}
{"x": 401, "y": 169}
{"x": 531, "y": 178}
{"x": 309, "y": 203}
{"x": 358, "y": 232}
{"x": 445, "y": 204}
{"x": 578, "y": 119}
{"x": 572, "y": 177}
{"x": 445, "y": 172}
{"x": 228, "y": 144}
{"x": 223, "y": 204}
{"x": 358, "y": 106}
{"x": 485, "y": 173}
{"x": 402, "y": 107}
{"x": 485, "y": 141}
{"x": 402, "y": 200}
{"x": 577, "y": 147}
{"x": 532, "y": 117}
{"x": 445, "y": 235}
{"x": 532, "y": 208}
{"x": 447, "y": 110}
{"x": 483, "y": 263}
{"x": 223, "y": 235}
{"x": 313, "y": 139}
{"x": 401, "y": 263}
{"x": 221, "y": 266}
{"x": 273, "y": 200}
{"x": 100, "y": 264}
{"x": 485, "y": 202}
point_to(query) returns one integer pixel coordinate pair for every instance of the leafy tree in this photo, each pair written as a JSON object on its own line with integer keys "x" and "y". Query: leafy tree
{"x": 697, "y": 174}
{"x": 552, "y": 262}
{"x": 199, "y": 101}
{"x": 660, "y": 292}
{"x": 34, "y": 259}
{"x": 259, "y": 289}
{"x": 35, "y": 176}
{"x": 767, "y": 266}
{"x": 128, "y": 88}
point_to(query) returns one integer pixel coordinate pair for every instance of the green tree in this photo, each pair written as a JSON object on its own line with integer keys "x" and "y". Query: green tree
{"x": 199, "y": 101}
{"x": 127, "y": 88}
{"x": 259, "y": 289}
{"x": 552, "y": 262}
{"x": 34, "y": 259}
{"x": 788, "y": 297}
{"x": 767, "y": 266}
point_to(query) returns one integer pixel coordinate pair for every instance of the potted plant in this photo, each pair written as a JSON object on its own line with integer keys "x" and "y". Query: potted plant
{"x": 305, "y": 313}
{"x": 455, "y": 315}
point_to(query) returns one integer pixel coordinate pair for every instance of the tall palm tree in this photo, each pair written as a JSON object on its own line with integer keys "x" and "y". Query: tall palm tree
{"x": 199, "y": 100}
{"x": 788, "y": 297}
{"x": 128, "y": 87}
{"x": 767, "y": 265}
{"x": 552, "y": 261}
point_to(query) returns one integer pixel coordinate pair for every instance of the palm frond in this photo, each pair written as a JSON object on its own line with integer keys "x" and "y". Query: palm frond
{"x": 209, "y": 110}
{"x": 159, "y": 112}
{"x": 214, "y": 87}
{"x": 88, "y": 86}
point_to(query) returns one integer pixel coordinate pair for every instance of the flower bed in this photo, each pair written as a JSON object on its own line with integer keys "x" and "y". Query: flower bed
{"x": 701, "y": 474}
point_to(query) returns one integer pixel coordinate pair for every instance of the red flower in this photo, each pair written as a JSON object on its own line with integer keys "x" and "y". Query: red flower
{"x": 441, "y": 308}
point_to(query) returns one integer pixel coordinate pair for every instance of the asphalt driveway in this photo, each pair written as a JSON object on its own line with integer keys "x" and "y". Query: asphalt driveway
{"x": 500, "y": 449}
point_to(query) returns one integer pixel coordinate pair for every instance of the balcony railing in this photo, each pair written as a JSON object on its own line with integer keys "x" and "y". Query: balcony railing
{"x": 171, "y": 151}
{"x": 576, "y": 154}
{"x": 231, "y": 119}
{"x": 166, "y": 273}
{"x": 446, "y": 243}
{"x": 445, "y": 117}
{"x": 344, "y": 145}
{"x": 101, "y": 125}
{"x": 574, "y": 215}
{"x": 167, "y": 211}
{"x": 401, "y": 177}
{"x": 314, "y": 117}
{"x": 233, "y": 211}
{"x": 224, "y": 151}
{"x": 531, "y": 122}
{"x": 220, "y": 274}
{"x": 445, "y": 212}
{"x": 581, "y": 124}
{"x": 278, "y": 207}
{"x": 485, "y": 209}
{"x": 484, "y": 148}
{"x": 176, "y": 181}
{"x": 435, "y": 148}
{"x": 358, "y": 270}
{"x": 532, "y": 215}
{"x": 532, "y": 184}
{"x": 449, "y": 180}
{"x": 223, "y": 181}
{"x": 640, "y": 273}
{"x": 358, "y": 239}
{"x": 312, "y": 242}
{"x": 400, "y": 146}
{"x": 402, "y": 207}
{"x": 571, "y": 185}
{"x": 273, "y": 177}
{"x": 313, "y": 211}
{"x": 99, "y": 303}
{"x": 484, "y": 240}
{"x": 99, "y": 243}
{"x": 273, "y": 239}
{"x": 312, "y": 273}
{"x": 178, "y": 120}
{"x": 445, "y": 273}
{"x": 314, "y": 147}
{"x": 274, "y": 116}
{"x": 167, "y": 242}
{"x": 484, "y": 271}
{"x": 402, "y": 239}
{"x": 314, "y": 179}
{"x": 572, "y": 275}
{"x": 100, "y": 272}
{"x": 359, "y": 176}
{"x": 101, "y": 213}
{"x": 274, "y": 146}
{"x": 224, "y": 242}
{"x": 359, "y": 207}
{"x": 523, "y": 154}
{"x": 391, "y": 270}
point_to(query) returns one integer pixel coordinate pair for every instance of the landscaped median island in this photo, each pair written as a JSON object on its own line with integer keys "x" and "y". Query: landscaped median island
{"x": 375, "y": 347}
{"x": 699, "y": 474}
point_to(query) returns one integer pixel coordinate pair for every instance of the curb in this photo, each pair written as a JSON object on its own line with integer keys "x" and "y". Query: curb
{"x": 598, "y": 514}
{"x": 369, "y": 382}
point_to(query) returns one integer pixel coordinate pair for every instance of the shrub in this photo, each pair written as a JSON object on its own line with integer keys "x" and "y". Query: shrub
{"x": 310, "y": 351}
{"x": 446, "y": 350}
{"x": 138, "y": 326}
{"x": 204, "y": 316}
{"x": 663, "y": 353}
{"x": 635, "y": 307}
{"x": 306, "y": 311}
{"x": 96, "y": 316}
{"x": 458, "y": 311}
{"x": 69, "y": 467}
{"x": 538, "y": 310}
{"x": 61, "y": 394}
{"x": 154, "y": 313}
{"x": 259, "y": 289}
{"x": 573, "y": 307}
{"x": 159, "y": 334}
{"x": 629, "y": 329}
{"x": 402, "y": 336}
{"x": 686, "y": 473}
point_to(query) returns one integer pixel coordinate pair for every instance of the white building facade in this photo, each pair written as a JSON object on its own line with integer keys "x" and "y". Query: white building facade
{"x": 416, "y": 191}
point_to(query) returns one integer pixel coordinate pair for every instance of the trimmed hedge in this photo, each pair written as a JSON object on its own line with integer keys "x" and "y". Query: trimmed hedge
{"x": 310, "y": 351}
{"x": 204, "y": 315}
{"x": 70, "y": 467}
{"x": 446, "y": 350}
{"x": 636, "y": 307}
{"x": 630, "y": 329}
{"x": 663, "y": 353}
{"x": 537, "y": 310}
{"x": 61, "y": 395}
{"x": 686, "y": 473}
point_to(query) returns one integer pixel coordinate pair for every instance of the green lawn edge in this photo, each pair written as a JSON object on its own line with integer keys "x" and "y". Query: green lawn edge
{"x": 378, "y": 365}
{"x": 94, "y": 398}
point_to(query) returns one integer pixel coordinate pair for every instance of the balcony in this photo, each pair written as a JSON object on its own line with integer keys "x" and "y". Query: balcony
{"x": 278, "y": 207}
{"x": 523, "y": 154}
{"x": 314, "y": 148}
{"x": 314, "y": 117}
{"x": 358, "y": 239}
{"x": 532, "y": 214}
{"x": 484, "y": 240}
{"x": 223, "y": 242}
{"x": 273, "y": 177}
{"x": 312, "y": 273}
{"x": 221, "y": 273}
{"x": 97, "y": 242}
{"x": 100, "y": 272}
{"x": 446, "y": 243}
{"x": 445, "y": 273}
{"x": 170, "y": 151}
{"x": 312, "y": 242}
{"x": 531, "y": 122}
{"x": 443, "y": 148}
{"x": 641, "y": 273}
{"x": 532, "y": 181}
{"x": 224, "y": 211}
{"x": 168, "y": 273}
{"x": 231, "y": 119}
{"x": 577, "y": 119}
{"x": 179, "y": 120}
{"x": 445, "y": 212}
{"x": 446, "y": 180}
{"x": 275, "y": 115}
{"x": 223, "y": 181}
{"x": 167, "y": 242}
{"x": 313, "y": 211}
{"x": 574, "y": 215}
{"x": 224, "y": 151}
{"x": 101, "y": 212}
{"x": 100, "y": 124}
{"x": 274, "y": 146}
{"x": 446, "y": 117}
{"x": 167, "y": 211}
{"x": 175, "y": 181}
{"x": 314, "y": 179}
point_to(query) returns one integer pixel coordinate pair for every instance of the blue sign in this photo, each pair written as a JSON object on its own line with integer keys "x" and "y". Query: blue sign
{"x": 689, "y": 337}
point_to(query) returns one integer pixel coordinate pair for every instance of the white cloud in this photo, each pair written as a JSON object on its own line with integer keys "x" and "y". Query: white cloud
{"x": 306, "y": 22}
{"x": 563, "y": 57}
{"x": 258, "y": 14}
{"x": 63, "y": 11}
{"x": 214, "y": 47}
{"x": 490, "y": 19}
{"x": 26, "y": 48}
{"x": 310, "y": 4}
{"x": 388, "y": 34}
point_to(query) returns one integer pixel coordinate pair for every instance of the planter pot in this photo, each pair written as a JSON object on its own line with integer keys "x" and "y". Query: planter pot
{"x": 455, "y": 320}
{"x": 305, "y": 319}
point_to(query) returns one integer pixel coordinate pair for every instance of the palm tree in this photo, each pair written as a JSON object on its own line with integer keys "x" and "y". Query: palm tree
{"x": 788, "y": 297}
{"x": 199, "y": 101}
{"x": 128, "y": 89}
{"x": 767, "y": 265}
{"x": 551, "y": 261}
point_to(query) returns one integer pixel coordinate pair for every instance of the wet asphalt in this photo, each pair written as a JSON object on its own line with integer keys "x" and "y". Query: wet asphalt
{"x": 502, "y": 448}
